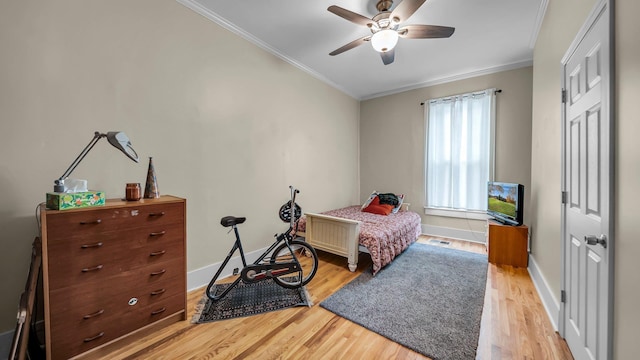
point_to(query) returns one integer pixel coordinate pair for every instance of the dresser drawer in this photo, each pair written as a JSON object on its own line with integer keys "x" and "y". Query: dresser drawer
{"x": 130, "y": 238}
{"x": 93, "y": 222}
{"x": 76, "y": 302}
{"x": 71, "y": 338}
{"x": 80, "y": 307}
{"x": 94, "y": 274}
{"x": 95, "y": 261}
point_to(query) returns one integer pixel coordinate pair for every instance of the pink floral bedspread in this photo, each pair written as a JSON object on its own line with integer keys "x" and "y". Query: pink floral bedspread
{"x": 384, "y": 236}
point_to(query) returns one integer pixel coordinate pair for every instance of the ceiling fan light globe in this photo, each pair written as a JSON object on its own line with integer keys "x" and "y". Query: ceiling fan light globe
{"x": 384, "y": 40}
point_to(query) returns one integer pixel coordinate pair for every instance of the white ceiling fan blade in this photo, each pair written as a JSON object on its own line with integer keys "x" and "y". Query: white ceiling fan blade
{"x": 405, "y": 9}
{"x": 350, "y": 15}
{"x": 350, "y": 45}
{"x": 425, "y": 31}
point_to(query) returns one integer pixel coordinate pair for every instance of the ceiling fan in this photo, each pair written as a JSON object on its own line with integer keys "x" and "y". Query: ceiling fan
{"x": 385, "y": 27}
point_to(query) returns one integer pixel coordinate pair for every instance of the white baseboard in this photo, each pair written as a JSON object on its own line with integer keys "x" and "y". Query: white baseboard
{"x": 200, "y": 277}
{"x": 551, "y": 305}
{"x": 458, "y": 234}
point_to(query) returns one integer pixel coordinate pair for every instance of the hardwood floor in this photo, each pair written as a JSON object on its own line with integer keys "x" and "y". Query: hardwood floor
{"x": 514, "y": 325}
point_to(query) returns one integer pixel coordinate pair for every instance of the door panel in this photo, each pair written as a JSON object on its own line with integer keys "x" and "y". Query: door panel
{"x": 574, "y": 163}
{"x": 593, "y": 303}
{"x": 574, "y": 288}
{"x": 586, "y": 223}
{"x": 594, "y": 167}
{"x": 593, "y": 66}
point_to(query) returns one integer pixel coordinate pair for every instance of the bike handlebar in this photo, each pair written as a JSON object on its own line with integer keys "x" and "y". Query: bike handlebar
{"x": 292, "y": 210}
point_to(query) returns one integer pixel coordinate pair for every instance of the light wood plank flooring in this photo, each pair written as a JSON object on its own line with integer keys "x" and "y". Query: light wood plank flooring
{"x": 514, "y": 325}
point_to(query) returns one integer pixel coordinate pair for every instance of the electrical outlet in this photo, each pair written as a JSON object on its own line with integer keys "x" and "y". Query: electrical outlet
{"x": 236, "y": 271}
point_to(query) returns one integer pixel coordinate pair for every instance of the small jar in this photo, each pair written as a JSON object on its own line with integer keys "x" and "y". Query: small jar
{"x": 132, "y": 192}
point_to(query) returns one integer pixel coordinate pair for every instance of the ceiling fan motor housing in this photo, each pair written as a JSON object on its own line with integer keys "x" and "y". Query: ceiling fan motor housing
{"x": 384, "y": 5}
{"x": 382, "y": 21}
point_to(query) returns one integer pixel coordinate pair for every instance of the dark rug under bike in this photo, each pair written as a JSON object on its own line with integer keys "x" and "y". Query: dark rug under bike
{"x": 249, "y": 299}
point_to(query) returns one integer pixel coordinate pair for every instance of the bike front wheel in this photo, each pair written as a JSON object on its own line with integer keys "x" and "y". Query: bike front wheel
{"x": 305, "y": 254}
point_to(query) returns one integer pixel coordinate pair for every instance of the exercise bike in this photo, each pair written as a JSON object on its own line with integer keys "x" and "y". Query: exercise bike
{"x": 290, "y": 263}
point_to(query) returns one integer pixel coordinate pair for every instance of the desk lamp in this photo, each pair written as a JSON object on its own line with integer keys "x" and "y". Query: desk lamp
{"x": 116, "y": 138}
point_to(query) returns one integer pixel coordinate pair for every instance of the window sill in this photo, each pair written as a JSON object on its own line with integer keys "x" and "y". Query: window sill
{"x": 461, "y": 214}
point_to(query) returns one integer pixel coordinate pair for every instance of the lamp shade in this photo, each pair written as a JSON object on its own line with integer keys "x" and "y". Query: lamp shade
{"x": 120, "y": 141}
{"x": 384, "y": 40}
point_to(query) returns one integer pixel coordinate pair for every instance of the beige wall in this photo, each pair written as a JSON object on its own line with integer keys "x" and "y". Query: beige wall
{"x": 562, "y": 21}
{"x": 627, "y": 233}
{"x": 392, "y": 131}
{"x": 229, "y": 126}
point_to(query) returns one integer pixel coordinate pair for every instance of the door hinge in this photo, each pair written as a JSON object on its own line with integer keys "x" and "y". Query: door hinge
{"x": 565, "y": 197}
{"x": 563, "y": 95}
{"x": 563, "y": 296}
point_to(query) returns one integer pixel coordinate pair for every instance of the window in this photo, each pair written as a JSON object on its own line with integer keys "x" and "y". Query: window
{"x": 459, "y": 153}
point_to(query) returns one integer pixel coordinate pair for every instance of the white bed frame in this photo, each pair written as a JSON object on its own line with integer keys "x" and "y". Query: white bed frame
{"x": 334, "y": 235}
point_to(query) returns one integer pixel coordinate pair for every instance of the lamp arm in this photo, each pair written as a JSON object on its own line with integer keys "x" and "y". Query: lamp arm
{"x": 96, "y": 136}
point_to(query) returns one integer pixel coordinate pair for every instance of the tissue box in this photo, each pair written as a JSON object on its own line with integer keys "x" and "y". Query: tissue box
{"x": 64, "y": 201}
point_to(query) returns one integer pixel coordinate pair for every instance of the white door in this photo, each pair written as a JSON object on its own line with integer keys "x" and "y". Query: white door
{"x": 586, "y": 316}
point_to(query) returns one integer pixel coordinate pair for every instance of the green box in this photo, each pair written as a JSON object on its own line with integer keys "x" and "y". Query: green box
{"x": 64, "y": 201}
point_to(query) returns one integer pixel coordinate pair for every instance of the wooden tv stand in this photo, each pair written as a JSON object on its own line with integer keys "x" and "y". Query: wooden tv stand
{"x": 507, "y": 245}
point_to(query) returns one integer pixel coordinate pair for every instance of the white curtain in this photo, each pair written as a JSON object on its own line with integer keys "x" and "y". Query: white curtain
{"x": 459, "y": 150}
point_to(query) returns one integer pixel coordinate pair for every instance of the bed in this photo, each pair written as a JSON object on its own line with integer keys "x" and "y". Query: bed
{"x": 348, "y": 230}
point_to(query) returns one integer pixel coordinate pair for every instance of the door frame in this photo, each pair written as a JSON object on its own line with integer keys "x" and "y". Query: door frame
{"x": 608, "y": 94}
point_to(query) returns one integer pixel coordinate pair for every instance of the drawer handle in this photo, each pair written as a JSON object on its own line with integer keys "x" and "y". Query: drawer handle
{"x": 158, "y": 292}
{"x": 95, "y": 268}
{"x": 159, "y": 233}
{"x": 94, "y": 337}
{"x": 157, "y": 214}
{"x": 97, "y": 221}
{"x": 159, "y": 311}
{"x": 158, "y": 272}
{"x": 89, "y": 316}
{"x": 86, "y": 246}
{"x": 157, "y": 253}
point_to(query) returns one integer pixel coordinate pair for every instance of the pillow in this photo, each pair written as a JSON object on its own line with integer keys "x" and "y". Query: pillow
{"x": 380, "y": 209}
{"x": 373, "y": 195}
{"x": 376, "y": 208}
{"x": 400, "y": 201}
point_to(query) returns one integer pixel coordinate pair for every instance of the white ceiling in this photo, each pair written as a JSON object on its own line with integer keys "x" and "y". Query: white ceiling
{"x": 490, "y": 36}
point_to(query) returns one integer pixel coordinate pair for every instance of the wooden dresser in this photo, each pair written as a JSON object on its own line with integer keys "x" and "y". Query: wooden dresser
{"x": 110, "y": 272}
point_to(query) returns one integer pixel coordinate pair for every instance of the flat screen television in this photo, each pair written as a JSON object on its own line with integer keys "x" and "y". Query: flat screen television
{"x": 505, "y": 202}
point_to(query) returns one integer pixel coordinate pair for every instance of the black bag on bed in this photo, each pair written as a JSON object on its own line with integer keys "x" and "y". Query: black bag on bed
{"x": 388, "y": 198}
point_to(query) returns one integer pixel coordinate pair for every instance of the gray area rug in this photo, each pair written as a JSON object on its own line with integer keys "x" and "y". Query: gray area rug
{"x": 428, "y": 299}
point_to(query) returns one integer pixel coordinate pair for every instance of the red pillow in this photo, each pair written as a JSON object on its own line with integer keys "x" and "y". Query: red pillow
{"x": 382, "y": 209}
{"x": 376, "y": 208}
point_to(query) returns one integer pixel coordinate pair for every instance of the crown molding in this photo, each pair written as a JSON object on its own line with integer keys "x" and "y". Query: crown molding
{"x": 457, "y": 77}
{"x": 198, "y": 8}
{"x": 542, "y": 10}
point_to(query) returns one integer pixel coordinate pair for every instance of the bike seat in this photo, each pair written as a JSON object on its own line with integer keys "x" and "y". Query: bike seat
{"x": 231, "y": 220}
